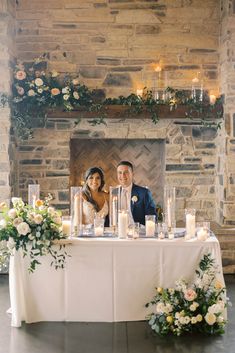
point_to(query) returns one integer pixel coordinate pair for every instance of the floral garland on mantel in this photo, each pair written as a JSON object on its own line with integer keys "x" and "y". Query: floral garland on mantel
{"x": 34, "y": 91}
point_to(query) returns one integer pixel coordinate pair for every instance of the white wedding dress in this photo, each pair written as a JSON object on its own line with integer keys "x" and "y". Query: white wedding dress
{"x": 89, "y": 212}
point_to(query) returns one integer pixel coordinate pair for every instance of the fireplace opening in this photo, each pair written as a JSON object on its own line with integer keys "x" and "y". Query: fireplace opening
{"x": 146, "y": 155}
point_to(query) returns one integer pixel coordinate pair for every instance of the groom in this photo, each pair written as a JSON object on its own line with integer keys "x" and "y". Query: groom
{"x": 139, "y": 198}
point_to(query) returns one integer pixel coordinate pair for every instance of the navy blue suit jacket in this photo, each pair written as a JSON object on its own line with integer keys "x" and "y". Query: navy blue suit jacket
{"x": 142, "y": 203}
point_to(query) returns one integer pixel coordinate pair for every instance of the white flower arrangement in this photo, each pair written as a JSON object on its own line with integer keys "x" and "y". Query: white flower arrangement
{"x": 33, "y": 230}
{"x": 199, "y": 307}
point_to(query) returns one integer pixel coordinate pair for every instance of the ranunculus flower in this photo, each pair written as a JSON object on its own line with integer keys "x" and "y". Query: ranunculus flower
{"x": 12, "y": 213}
{"x": 20, "y": 90}
{"x": 38, "y": 82}
{"x": 40, "y": 90}
{"x": 76, "y": 95}
{"x": 20, "y": 75}
{"x": 38, "y": 219}
{"x": 23, "y": 228}
{"x": 38, "y": 203}
{"x": 31, "y": 93}
{"x": 55, "y": 91}
{"x": 190, "y": 294}
{"x": 169, "y": 319}
{"x": 210, "y": 318}
{"x": 194, "y": 320}
{"x": 65, "y": 97}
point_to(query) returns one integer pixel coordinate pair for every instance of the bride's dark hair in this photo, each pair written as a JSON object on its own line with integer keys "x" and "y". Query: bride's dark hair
{"x": 86, "y": 190}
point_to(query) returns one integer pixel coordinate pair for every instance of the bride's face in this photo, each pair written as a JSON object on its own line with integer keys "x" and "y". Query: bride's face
{"x": 94, "y": 181}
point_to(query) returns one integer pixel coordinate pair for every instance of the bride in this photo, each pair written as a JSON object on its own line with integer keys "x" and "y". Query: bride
{"x": 95, "y": 200}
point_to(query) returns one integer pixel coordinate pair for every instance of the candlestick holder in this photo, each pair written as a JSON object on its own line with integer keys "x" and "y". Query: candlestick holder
{"x": 114, "y": 206}
{"x": 76, "y": 210}
{"x": 33, "y": 194}
{"x": 169, "y": 206}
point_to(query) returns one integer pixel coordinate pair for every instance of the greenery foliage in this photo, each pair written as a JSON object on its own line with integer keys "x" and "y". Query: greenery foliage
{"x": 34, "y": 90}
{"x": 198, "y": 307}
{"x": 34, "y": 230}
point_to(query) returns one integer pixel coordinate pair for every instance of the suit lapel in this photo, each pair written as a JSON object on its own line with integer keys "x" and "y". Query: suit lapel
{"x": 133, "y": 193}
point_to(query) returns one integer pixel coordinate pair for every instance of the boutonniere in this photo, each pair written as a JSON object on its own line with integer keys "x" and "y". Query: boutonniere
{"x": 134, "y": 199}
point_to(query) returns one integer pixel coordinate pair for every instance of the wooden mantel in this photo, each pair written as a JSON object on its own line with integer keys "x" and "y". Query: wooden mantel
{"x": 122, "y": 111}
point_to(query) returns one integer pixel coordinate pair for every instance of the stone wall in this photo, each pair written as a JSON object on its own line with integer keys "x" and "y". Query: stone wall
{"x": 7, "y": 14}
{"x": 227, "y": 156}
{"x": 114, "y": 44}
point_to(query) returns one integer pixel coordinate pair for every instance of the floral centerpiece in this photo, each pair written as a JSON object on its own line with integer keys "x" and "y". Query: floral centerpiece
{"x": 199, "y": 307}
{"x": 34, "y": 230}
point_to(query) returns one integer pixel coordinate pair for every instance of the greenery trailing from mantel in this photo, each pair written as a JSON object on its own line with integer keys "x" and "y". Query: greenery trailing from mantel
{"x": 34, "y": 91}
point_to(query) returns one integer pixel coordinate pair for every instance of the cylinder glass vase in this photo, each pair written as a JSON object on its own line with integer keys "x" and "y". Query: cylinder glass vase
{"x": 114, "y": 201}
{"x": 33, "y": 194}
{"x": 169, "y": 206}
{"x": 190, "y": 223}
{"x": 76, "y": 210}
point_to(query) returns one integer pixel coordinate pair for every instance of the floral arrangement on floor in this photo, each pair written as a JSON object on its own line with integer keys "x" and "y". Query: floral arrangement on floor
{"x": 33, "y": 230}
{"x": 198, "y": 307}
{"x": 35, "y": 89}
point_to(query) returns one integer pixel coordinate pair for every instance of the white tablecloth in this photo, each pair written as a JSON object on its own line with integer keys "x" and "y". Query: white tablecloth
{"x": 105, "y": 280}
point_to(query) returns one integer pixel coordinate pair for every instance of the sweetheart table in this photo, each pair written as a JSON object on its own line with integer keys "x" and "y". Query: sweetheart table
{"x": 104, "y": 280}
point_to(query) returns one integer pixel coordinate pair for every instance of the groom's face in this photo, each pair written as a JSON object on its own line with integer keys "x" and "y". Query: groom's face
{"x": 124, "y": 175}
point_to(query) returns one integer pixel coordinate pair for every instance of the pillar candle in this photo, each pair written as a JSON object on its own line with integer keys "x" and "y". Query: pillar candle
{"x": 190, "y": 226}
{"x": 34, "y": 201}
{"x": 66, "y": 227}
{"x": 122, "y": 224}
{"x": 150, "y": 228}
{"x": 99, "y": 231}
{"x": 202, "y": 234}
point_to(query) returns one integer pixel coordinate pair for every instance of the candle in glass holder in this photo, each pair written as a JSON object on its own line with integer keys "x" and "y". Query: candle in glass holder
{"x": 33, "y": 194}
{"x": 139, "y": 92}
{"x": 169, "y": 213}
{"x": 122, "y": 223}
{"x": 150, "y": 225}
{"x": 66, "y": 225}
{"x": 190, "y": 223}
{"x": 212, "y": 99}
{"x": 202, "y": 234}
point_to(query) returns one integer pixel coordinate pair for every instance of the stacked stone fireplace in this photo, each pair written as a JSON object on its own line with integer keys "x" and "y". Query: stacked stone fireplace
{"x": 174, "y": 152}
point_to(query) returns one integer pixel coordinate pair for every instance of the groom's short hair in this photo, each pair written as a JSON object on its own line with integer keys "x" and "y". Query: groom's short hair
{"x": 129, "y": 164}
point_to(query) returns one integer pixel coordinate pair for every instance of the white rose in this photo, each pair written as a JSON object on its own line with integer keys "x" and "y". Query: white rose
{"x": 193, "y": 306}
{"x": 23, "y": 228}
{"x": 65, "y": 90}
{"x": 76, "y": 95}
{"x": 12, "y": 213}
{"x": 17, "y": 221}
{"x": 169, "y": 308}
{"x": 38, "y": 82}
{"x": 65, "y": 97}
{"x": 30, "y": 216}
{"x": 17, "y": 201}
{"x": 31, "y": 93}
{"x": 210, "y": 318}
{"x": 193, "y": 320}
{"x": 2, "y": 223}
{"x": 38, "y": 219}
{"x": 160, "y": 308}
{"x": 187, "y": 320}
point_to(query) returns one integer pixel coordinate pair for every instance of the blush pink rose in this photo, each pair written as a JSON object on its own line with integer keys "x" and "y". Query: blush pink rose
{"x": 190, "y": 294}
